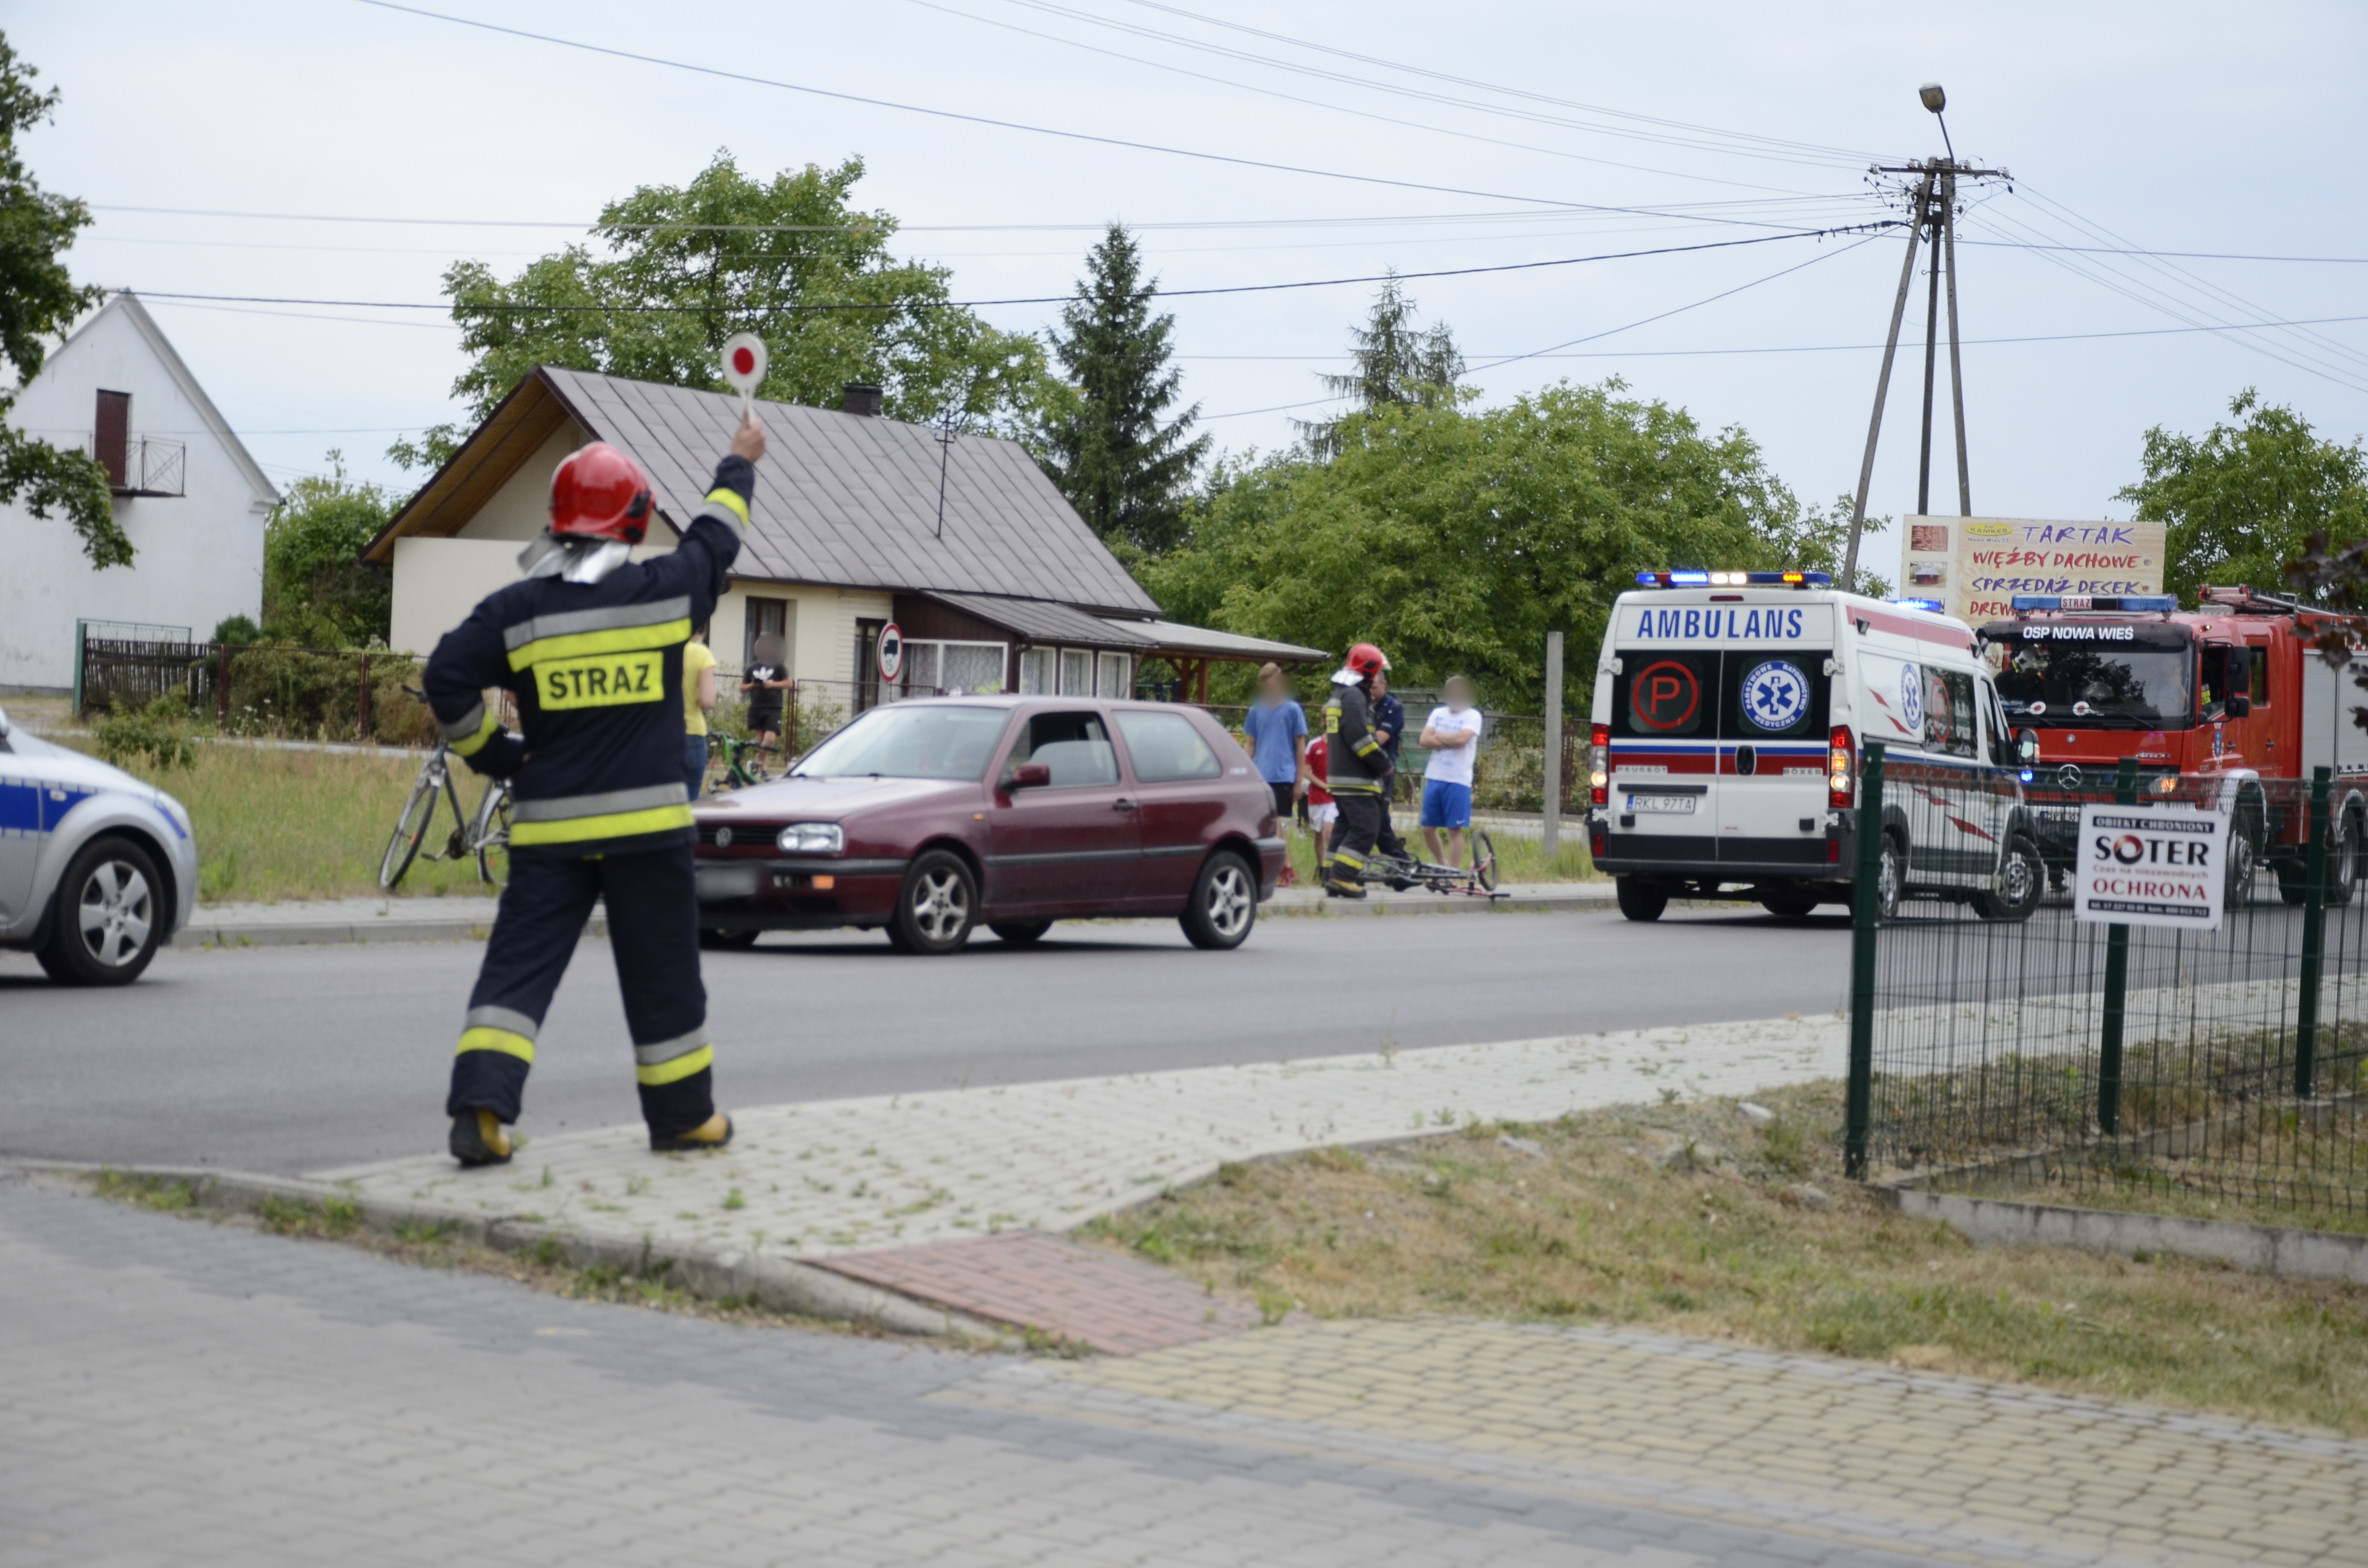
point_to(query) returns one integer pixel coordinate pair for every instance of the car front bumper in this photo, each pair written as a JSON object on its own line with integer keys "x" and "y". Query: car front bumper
{"x": 805, "y": 893}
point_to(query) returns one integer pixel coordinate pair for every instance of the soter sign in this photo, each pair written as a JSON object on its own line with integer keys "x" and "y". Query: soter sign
{"x": 2150, "y": 865}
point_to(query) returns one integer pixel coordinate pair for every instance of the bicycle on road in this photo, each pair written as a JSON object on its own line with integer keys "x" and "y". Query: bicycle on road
{"x": 738, "y": 774}
{"x": 485, "y": 835}
{"x": 1401, "y": 873}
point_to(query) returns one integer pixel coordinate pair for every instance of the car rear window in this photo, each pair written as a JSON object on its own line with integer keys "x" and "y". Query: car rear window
{"x": 1166, "y": 748}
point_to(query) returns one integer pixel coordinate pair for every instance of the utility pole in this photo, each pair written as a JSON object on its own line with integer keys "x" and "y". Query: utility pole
{"x": 1934, "y": 222}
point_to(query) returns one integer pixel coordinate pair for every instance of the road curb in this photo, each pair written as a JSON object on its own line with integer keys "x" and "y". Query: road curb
{"x": 204, "y": 932}
{"x": 779, "y": 1283}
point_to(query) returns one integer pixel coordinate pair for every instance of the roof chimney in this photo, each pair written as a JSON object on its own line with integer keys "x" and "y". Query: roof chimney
{"x": 863, "y": 400}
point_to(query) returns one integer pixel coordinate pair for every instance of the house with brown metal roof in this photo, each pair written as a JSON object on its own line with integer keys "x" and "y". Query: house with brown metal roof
{"x": 860, "y": 522}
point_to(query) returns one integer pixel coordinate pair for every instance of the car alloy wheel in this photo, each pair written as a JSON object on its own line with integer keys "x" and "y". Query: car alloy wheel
{"x": 1223, "y": 904}
{"x": 115, "y": 912}
{"x": 938, "y": 901}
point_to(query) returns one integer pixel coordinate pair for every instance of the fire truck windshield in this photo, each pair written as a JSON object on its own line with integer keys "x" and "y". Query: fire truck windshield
{"x": 2062, "y": 684}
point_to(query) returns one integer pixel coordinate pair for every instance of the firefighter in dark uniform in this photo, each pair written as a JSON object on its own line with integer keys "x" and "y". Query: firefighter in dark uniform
{"x": 590, "y": 644}
{"x": 1359, "y": 771}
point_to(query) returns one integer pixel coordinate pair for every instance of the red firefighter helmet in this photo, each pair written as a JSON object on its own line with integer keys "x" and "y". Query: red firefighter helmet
{"x": 599, "y": 493}
{"x": 1366, "y": 661}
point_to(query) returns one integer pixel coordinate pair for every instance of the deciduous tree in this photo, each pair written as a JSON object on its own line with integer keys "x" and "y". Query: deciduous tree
{"x": 674, "y": 270}
{"x": 39, "y": 299}
{"x": 1458, "y": 540}
{"x": 2242, "y": 500}
{"x": 317, "y": 590}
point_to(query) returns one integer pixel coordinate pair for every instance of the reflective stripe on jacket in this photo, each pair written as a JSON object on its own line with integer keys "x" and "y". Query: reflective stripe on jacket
{"x": 1354, "y": 761}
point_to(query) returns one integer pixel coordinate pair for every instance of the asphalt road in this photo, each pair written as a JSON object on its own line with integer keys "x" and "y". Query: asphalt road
{"x": 288, "y": 1059}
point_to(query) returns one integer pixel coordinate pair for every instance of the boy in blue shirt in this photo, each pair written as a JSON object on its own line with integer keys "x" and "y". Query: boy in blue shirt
{"x": 1277, "y": 728}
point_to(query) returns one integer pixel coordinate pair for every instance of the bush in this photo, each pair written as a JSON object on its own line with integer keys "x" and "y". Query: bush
{"x": 237, "y": 628}
{"x": 297, "y": 693}
{"x": 157, "y": 734}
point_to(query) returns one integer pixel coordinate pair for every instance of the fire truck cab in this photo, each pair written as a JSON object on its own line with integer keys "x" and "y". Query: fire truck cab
{"x": 2233, "y": 690}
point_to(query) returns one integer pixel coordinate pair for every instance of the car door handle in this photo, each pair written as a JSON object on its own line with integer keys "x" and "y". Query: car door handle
{"x": 1122, "y": 804}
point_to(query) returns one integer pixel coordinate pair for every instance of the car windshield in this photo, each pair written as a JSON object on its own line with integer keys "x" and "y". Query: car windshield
{"x": 901, "y": 741}
{"x": 2059, "y": 685}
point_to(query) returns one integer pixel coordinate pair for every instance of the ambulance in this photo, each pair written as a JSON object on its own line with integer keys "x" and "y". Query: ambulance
{"x": 1732, "y": 713}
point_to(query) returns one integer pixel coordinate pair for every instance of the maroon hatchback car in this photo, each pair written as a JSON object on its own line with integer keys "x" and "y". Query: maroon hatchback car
{"x": 926, "y": 818}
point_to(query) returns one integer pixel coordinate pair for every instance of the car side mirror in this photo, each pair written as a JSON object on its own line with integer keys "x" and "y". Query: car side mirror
{"x": 2240, "y": 706}
{"x": 1029, "y": 776}
{"x": 2026, "y": 746}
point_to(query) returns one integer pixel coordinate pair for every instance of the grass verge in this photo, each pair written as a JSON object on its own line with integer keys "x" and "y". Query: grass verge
{"x": 291, "y": 825}
{"x": 1698, "y": 1218}
{"x": 542, "y": 1268}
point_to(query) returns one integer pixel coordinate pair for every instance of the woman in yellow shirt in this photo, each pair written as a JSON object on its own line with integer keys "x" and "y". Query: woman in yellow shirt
{"x": 697, "y": 697}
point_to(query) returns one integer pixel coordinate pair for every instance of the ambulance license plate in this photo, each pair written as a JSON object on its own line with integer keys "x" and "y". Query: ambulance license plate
{"x": 1682, "y": 804}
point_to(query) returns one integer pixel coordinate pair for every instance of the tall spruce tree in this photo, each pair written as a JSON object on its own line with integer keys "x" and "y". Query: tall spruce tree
{"x": 1398, "y": 366}
{"x": 1122, "y": 468}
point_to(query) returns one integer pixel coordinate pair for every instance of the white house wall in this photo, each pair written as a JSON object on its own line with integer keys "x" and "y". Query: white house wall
{"x": 200, "y": 555}
{"x": 439, "y": 581}
{"x": 521, "y": 508}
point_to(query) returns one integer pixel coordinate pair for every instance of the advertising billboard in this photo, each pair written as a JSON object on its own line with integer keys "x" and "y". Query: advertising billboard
{"x": 1975, "y": 566}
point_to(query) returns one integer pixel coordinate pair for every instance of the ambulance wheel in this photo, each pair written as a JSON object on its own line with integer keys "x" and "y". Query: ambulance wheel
{"x": 936, "y": 906}
{"x": 1638, "y": 901}
{"x": 2022, "y": 880}
{"x": 1890, "y": 878}
{"x": 109, "y": 915}
{"x": 1789, "y": 907}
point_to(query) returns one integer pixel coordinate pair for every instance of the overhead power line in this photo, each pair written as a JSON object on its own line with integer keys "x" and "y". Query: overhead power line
{"x": 722, "y": 74}
{"x": 1028, "y": 300}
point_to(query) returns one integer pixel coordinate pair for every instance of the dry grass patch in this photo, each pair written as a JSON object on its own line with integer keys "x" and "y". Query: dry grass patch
{"x": 1701, "y": 1220}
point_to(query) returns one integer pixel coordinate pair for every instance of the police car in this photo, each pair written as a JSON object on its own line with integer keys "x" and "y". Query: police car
{"x": 1731, "y": 711}
{"x": 96, "y": 869}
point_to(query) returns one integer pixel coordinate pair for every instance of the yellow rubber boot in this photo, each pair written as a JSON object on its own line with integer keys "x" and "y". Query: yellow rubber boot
{"x": 712, "y": 1133}
{"x": 478, "y": 1138}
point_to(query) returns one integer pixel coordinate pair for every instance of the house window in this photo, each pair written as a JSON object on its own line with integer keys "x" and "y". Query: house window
{"x": 1077, "y": 672}
{"x": 1035, "y": 672}
{"x": 958, "y": 668}
{"x": 111, "y": 437}
{"x": 1116, "y": 677}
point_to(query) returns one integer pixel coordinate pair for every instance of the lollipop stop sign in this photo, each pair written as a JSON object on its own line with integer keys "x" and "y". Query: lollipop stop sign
{"x": 744, "y": 366}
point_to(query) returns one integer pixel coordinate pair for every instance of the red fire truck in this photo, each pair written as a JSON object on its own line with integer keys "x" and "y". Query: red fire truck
{"x": 2233, "y": 691}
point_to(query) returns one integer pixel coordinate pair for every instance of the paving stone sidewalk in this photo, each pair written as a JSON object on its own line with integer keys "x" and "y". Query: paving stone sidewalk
{"x": 172, "y": 1391}
{"x": 839, "y": 1175}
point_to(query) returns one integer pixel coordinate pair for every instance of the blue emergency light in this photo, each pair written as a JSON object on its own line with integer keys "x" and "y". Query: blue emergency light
{"x": 2145, "y": 602}
{"x": 1734, "y": 580}
{"x": 1935, "y": 606}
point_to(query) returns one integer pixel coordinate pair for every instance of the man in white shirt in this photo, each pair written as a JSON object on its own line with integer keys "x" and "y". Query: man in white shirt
{"x": 1452, "y": 736}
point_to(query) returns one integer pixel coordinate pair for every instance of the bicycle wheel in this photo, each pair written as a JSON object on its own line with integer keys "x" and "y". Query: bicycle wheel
{"x": 491, "y": 835}
{"x": 1483, "y": 860}
{"x": 410, "y": 829}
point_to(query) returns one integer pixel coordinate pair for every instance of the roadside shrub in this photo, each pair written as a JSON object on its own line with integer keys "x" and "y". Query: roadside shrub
{"x": 157, "y": 735}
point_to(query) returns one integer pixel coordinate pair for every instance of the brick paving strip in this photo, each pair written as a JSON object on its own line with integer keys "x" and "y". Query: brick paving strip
{"x": 1844, "y": 1451}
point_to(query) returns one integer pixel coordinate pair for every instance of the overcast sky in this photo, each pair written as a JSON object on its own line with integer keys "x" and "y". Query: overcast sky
{"x": 2157, "y": 127}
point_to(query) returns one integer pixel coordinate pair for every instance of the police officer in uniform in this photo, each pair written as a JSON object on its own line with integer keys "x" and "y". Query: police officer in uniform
{"x": 591, "y": 645}
{"x": 1359, "y": 771}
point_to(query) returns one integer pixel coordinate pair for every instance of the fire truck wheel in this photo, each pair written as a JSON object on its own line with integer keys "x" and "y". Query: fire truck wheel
{"x": 2343, "y": 860}
{"x": 2244, "y": 854}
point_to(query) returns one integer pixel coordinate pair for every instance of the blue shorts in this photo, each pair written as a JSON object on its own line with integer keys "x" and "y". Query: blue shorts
{"x": 1445, "y": 804}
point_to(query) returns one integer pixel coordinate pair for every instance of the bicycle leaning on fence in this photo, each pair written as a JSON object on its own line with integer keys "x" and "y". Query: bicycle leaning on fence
{"x": 485, "y": 835}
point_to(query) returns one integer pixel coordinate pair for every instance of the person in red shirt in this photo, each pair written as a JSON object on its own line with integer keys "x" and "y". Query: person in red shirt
{"x": 1322, "y": 811}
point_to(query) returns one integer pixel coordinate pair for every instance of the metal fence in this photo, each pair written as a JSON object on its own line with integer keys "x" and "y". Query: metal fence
{"x": 2208, "y": 1071}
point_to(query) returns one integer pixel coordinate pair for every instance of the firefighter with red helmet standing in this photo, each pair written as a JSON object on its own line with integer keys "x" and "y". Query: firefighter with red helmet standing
{"x": 591, "y": 645}
{"x": 1359, "y": 771}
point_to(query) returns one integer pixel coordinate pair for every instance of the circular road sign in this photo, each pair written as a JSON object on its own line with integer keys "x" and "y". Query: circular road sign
{"x": 744, "y": 364}
{"x": 892, "y": 653}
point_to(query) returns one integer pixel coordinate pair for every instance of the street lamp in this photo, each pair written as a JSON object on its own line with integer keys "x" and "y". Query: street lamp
{"x": 1936, "y": 100}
